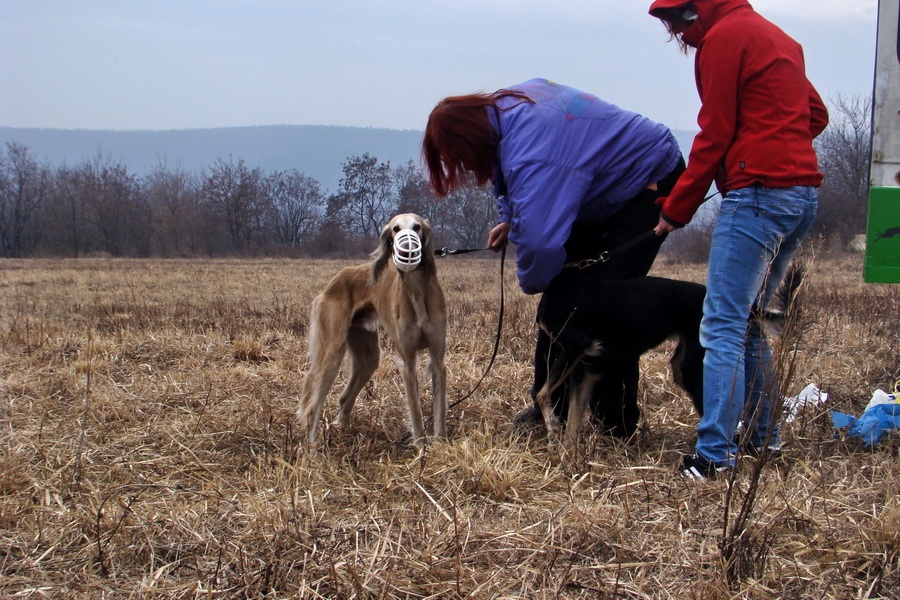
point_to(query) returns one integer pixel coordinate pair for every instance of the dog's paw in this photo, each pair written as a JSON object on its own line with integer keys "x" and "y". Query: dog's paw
{"x": 554, "y": 433}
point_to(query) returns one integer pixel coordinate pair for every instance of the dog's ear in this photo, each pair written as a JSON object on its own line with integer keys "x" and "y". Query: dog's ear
{"x": 428, "y": 262}
{"x": 382, "y": 253}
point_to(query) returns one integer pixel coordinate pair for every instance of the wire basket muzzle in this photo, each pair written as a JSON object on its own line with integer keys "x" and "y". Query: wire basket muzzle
{"x": 407, "y": 250}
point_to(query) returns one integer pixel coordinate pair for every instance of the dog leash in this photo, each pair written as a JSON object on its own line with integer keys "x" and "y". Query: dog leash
{"x": 606, "y": 255}
{"x": 448, "y": 252}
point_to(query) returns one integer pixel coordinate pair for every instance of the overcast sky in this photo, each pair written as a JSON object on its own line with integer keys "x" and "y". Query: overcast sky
{"x": 180, "y": 64}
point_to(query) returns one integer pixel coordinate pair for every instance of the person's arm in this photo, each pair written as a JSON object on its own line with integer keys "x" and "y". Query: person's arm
{"x": 504, "y": 209}
{"x": 545, "y": 201}
{"x": 498, "y": 236}
{"x": 818, "y": 113}
{"x": 719, "y": 68}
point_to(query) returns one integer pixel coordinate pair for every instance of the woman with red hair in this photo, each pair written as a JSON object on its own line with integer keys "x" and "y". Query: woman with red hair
{"x": 574, "y": 176}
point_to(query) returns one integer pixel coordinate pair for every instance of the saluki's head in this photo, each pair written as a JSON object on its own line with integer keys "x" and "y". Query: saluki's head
{"x": 405, "y": 240}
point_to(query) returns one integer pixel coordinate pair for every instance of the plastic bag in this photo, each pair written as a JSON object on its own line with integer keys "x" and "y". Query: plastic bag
{"x": 809, "y": 396}
{"x": 881, "y": 416}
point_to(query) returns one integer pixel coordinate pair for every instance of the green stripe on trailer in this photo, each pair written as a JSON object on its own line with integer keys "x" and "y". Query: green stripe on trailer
{"x": 882, "y": 262}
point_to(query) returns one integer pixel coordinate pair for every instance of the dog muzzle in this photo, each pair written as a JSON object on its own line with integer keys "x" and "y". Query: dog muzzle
{"x": 407, "y": 250}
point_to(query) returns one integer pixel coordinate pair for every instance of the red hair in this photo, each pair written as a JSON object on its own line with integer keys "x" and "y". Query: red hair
{"x": 460, "y": 144}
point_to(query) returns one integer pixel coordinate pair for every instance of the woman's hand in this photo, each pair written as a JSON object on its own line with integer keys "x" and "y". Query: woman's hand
{"x": 498, "y": 237}
{"x": 664, "y": 227}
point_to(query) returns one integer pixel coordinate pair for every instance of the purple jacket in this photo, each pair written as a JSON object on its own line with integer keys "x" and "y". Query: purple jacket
{"x": 569, "y": 157}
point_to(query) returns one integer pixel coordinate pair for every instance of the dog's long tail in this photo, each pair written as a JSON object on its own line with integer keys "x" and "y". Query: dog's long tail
{"x": 786, "y": 301}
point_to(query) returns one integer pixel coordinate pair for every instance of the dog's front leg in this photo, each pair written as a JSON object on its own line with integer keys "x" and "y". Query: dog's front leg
{"x": 559, "y": 371}
{"x": 579, "y": 400}
{"x": 551, "y": 421}
{"x": 439, "y": 393}
{"x": 573, "y": 421}
{"x": 414, "y": 408}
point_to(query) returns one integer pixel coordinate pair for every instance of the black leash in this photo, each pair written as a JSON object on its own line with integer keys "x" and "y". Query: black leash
{"x": 447, "y": 252}
{"x": 606, "y": 255}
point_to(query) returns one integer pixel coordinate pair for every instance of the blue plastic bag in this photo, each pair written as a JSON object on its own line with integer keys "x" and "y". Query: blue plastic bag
{"x": 881, "y": 416}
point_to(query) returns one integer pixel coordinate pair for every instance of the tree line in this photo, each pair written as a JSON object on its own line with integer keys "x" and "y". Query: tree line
{"x": 98, "y": 207}
{"x": 230, "y": 209}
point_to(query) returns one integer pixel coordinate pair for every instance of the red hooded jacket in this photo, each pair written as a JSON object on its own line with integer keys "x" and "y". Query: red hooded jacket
{"x": 759, "y": 112}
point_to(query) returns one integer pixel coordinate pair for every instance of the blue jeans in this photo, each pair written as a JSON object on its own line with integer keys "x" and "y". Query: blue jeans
{"x": 757, "y": 233}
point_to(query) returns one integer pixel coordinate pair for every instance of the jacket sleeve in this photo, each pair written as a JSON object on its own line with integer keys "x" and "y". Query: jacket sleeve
{"x": 718, "y": 71}
{"x": 504, "y": 209}
{"x": 818, "y": 113}
{"x": 545, "y": 201}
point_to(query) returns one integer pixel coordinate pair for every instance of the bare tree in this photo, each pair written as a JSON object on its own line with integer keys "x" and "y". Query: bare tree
{"x": 470, "y": 213}
{"x": 65, "y": 219}
{"x": 364, "y": 201}
{"x": 24, "y": 186}
{"x": 234, "y": 192}
{"x": 109, "y": 195}
{"x": 174, "y": 198}
{"x": 415, "y": 195}
{"x": 96, "y": 206}
{"x": 295, "y": 203}
{"x": 844, "y": 151}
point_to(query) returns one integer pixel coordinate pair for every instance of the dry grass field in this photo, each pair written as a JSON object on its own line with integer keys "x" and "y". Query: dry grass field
{"x": 148, "y": 449}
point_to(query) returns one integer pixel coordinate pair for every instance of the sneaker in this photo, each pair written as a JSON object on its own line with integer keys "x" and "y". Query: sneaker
{"x": 699, "y": 469}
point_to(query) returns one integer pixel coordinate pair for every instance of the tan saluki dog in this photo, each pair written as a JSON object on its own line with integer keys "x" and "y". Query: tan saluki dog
{"x": 399, "y": 290}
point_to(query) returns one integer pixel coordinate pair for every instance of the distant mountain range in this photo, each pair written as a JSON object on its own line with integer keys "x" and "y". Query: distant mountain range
{"x": 316, "y": 150}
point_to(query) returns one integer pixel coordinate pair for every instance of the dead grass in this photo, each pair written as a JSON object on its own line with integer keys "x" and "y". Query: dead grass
{"x": 148, "y": 449}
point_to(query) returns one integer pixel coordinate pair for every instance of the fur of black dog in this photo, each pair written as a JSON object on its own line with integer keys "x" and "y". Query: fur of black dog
{"x": 599, "y": 328}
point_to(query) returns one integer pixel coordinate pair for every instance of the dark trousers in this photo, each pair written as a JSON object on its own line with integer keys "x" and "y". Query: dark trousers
{"x": 613, "y": 399}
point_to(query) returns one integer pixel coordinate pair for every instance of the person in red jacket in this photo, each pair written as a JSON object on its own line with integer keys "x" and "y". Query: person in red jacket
{"x": 758, "y": 119}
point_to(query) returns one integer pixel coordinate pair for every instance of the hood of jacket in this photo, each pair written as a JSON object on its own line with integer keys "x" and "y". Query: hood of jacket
{"x": 709, "y": 13}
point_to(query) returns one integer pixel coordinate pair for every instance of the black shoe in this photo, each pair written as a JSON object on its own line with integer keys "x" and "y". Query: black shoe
{"x": 529, "y": 417}
{"x": 699, "y": 469}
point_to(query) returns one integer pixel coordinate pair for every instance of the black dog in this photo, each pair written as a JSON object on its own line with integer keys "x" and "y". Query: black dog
{"x": 599, "y": 328}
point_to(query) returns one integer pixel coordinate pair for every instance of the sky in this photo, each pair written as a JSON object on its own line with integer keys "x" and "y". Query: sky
{"x": 186, "y": 64}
